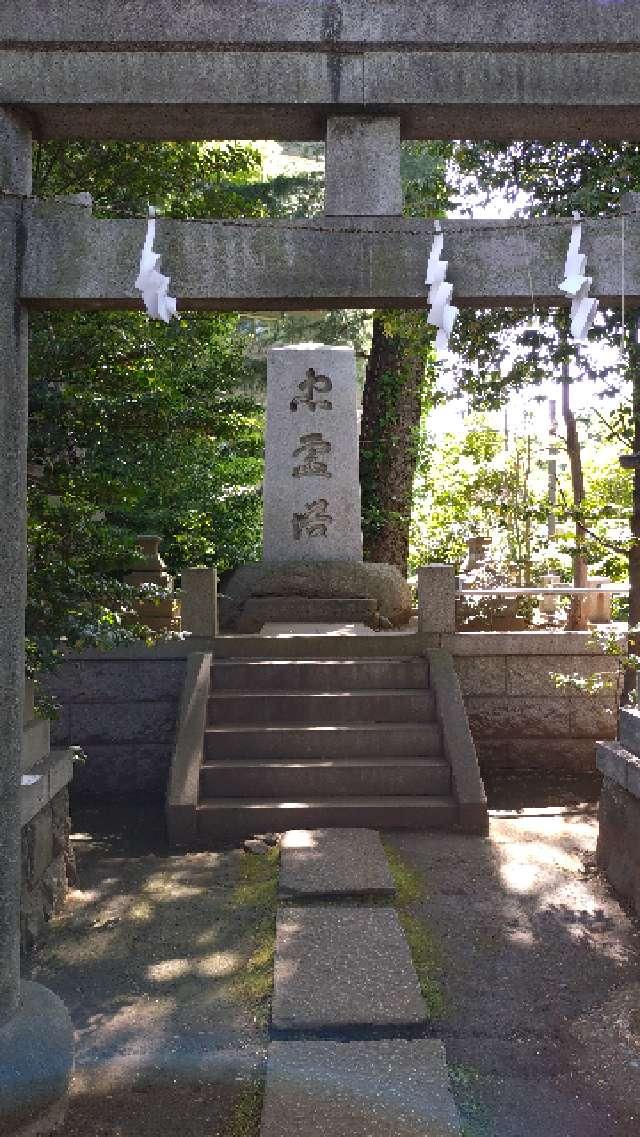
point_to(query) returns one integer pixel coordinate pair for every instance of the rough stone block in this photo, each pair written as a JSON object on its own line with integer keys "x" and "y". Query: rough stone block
{"x": 437, "y": 599}
{"x": 532, "y": 676}
{"x": 363, "y": 166}
{"x": 311, "y": 484}
{"x": 343, "y": 966}
{"x": 36, "y": 742}
{"x": 611, "y": 760}
{"x": 594, "y": 716}
{"x": 334, "y": 862}
{"x": 88, "y": 680}
{"x": 483, "y": 675}
{"x": 110, "y": 723}
{"x": 495, "y": 717}
{"x": 390, "y": 1088}
{"x": 619, "y": 841}
{"x": 199, "y": 601}
{"x": 629, "y": 729}
{"x": 37, "y": 847}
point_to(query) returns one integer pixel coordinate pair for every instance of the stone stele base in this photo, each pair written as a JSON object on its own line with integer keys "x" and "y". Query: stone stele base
{"x": 36, "y": 1061}
{"x": 313, "y": 580}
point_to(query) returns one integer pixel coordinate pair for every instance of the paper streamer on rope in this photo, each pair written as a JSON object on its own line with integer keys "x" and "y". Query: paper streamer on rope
{"x": 576, "y": 284}
{"x": 442, "y": 314}
{"x": 151, "y": 283}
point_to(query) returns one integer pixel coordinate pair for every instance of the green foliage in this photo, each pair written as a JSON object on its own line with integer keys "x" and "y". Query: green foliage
{"x": 136, "y": 426}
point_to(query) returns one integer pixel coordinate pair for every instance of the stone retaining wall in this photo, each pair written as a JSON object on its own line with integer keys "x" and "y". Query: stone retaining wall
{"x": 520, "y": 718}
{"x": 122, "y": 712}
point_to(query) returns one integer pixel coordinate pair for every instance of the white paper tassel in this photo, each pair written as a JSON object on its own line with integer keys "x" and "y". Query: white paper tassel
{"x": 151, "y": 283}
{"x": 442, "y": 314}
{"x": 576, "y": 284}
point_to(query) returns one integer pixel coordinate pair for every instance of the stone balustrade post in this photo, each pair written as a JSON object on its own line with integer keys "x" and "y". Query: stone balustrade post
{"x": 437, "y": 599}
{"x": 199, "y": 602}
{"x": 362, "y": 161}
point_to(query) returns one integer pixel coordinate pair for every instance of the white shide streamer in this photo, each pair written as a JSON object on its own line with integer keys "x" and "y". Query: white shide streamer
{"x": 150, "y": 282}
{"x": 577, "y": 284}
{"x": 442, "y": 314}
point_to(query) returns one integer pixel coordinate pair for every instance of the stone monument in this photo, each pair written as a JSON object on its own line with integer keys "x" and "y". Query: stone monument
{"x": 311, "y": 487}
{"x": 313, "y": 569}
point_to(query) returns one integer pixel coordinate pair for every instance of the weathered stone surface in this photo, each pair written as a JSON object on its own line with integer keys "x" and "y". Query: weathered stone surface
{"x": 437, "y": 598}
{"x": 611, "y": 760}
{"x": 36, "y": 1060}
{"x": 486, "y": 23}
{"x": 484, "y": 675}
{"x": 458, "y": 745}
{"x": 199, "y": 601}
{"x": 72, "y": 257}
{"x": 336, "y": 579}
{"x": 494, "y": 717}
{"x": 90, "y": 680}
{"x": 124, "y": 770}
{"x": 362, "y": 157}
{"x": 390, "y": 1088}
{"x": 534, "y": 676}
{"x": 341, "y": 966}
{"x": 619, "y": 841}
{"x": 311, "y": 483}
{"x": 594, "y": 716}
{"x": 107, "y": 723}
{"x": 551, "y": 755}
{"x": 305, "y": 610}
{"x": 629, "y": 729}
{"x": 334, "y": 862}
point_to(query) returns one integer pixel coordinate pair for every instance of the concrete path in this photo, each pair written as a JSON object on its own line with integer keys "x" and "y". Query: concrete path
{"x": 390, "y": 1088}
{"x": 540, "y": 977}
{"x": 342, "y": 968}
{"x": 333, "y": 863}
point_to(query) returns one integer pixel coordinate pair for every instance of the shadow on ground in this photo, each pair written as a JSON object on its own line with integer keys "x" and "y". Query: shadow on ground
{"x": 538, "y": 967}
{"x": 164, "y": 962}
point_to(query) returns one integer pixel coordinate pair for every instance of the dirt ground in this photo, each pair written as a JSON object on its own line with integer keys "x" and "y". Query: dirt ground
{"x": 539, "y": 968}
{"x": 150, "y": 957}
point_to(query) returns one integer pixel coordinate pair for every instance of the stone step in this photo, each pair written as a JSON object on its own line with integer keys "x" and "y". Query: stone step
{"x": 226, "y": 819}
{"x": 343, "y": 967}
{"x": 333, "y": 863}
{"x": 329, "y": 707}
{"x": 291, "y": 781}
{"x": 389, "y": 1087}
{"x": 319, "y": 674}
{"x": 261, "y": 610}
{"x": 355, "y": 740}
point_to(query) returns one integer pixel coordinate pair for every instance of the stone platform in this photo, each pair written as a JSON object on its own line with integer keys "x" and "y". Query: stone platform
{"x": 314, "y": 591}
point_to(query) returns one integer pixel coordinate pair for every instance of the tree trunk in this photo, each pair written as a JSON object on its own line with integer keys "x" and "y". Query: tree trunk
{"x": 576, "y": 620}
{"x": 391, "y": 409}
{"x": 633, "y": 373}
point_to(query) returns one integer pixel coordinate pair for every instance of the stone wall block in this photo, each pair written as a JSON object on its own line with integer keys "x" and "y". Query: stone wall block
{"x": 594, "y": 716}
{"x": 117, "y": 680}
{"x": 619, "y": 841}
{"x": 527, "y": 675}
{"x": 60, "y": 729}
{"x": 495, "y": 717}
{"x": 629, "y": 729}
{"x": 484, "y": 675}
{"x": 109, "y": 723}
{"x": 123, "y": 770}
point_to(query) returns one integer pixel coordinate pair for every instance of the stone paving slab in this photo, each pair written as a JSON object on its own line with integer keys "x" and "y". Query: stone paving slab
{"x": 343, "y": 966}
{"x": 334, "y": 863}
{"x": 390, "y": 1088}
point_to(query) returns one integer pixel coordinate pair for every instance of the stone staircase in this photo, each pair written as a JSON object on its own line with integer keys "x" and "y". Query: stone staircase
{"x": 312, "y": 743}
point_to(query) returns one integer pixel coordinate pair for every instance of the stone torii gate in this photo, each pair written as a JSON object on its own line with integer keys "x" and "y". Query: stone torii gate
{"x": 360, "y": 74}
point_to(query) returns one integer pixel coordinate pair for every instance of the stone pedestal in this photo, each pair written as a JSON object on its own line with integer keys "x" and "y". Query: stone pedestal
{"x": 311, "y": 486}
{"x": 199, "y": 601}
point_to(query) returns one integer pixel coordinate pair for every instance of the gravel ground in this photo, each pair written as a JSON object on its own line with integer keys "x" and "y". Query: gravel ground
{"x": 540, "y": 973}
{"x": 147, "y": 957}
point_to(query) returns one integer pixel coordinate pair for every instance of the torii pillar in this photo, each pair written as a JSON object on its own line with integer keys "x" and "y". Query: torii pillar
{"x": 36, "y": 1036}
